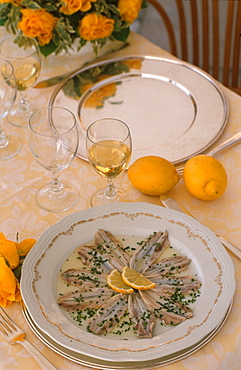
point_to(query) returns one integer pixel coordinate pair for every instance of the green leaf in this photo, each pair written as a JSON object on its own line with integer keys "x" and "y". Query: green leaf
{"x": 63, "y": 28}
{"x": 144, "y": 4}
{"x": 75, "y": 18}
{"x": 48, "y": 49}
{"x": 122, "y": 35}
{"x": 31, "y": 4}
{"x": 51, "y": 7}
{"x": 114, "y": 9}
{"x": 82, "y": 42}
{"x": 11, "y": 23}
{"x": 4, "y": 11}
{"x": 17, "y": 272}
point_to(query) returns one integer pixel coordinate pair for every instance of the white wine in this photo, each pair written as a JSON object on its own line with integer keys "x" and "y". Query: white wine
{"x": 26, "y": 72}
{"x": 109, "y": 157}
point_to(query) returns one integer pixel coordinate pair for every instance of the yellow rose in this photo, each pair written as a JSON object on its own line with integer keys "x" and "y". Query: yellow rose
{"x": 8, "y": 249}
{"x": 10, "y": 253}
{"x": 38, "y": 24}
{"x": 9, "y": 286}
{"x": 73, "y": 6}
{"x": 24, "y": 246}
{"x": 129, "y": 9}
{"x": 94, "y": 26}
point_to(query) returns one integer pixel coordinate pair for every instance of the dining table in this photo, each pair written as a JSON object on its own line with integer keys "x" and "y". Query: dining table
{"x": 21, "y": 176}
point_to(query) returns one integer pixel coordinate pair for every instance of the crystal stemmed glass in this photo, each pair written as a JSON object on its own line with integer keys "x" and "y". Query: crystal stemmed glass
{"x": 53, "y": 140}
{"x": 109, "y": 147}
{"x": 9, "y": 144}
{"x": 23, "y": 53}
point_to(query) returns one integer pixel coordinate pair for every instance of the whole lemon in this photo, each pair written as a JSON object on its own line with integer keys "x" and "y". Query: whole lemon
{"x": 205, "y": 177}
{"x": 153, "y": 175}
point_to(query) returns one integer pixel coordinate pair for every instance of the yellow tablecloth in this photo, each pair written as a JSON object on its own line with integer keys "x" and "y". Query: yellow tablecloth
{"x": 21, "y": 176}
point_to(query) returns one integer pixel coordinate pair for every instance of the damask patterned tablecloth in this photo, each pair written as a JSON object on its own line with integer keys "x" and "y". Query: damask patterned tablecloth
{"x": 21, "y": 176}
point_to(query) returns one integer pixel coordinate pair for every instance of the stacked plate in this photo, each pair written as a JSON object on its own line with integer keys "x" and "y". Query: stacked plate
{"x": 209, "y": 261}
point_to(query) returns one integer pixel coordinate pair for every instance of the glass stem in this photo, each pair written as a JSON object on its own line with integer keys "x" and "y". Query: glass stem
{"x": 23, "y": 105}
{"x": 3, "y": 139}
{"x": 110, "y": 191}
{"x": 57, "y": 186}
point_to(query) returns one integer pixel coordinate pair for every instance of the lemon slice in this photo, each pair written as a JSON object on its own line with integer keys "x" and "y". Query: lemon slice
{"x": 115, "y": 281}
{"x": 136, "y": 280}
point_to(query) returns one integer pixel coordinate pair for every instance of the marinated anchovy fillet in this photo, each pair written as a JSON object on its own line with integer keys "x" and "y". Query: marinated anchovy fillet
{"x": 109, "y": 314}
{"x": 149, "y": 251}
{"x": 186, "y": 284}
{"x": 143, "y": 318}
{"x": 78, "y": 277}
{"x": 112, "y": 249}
{"x": 81, "y": 299}
{"x": 94, "y": 260}
{"x": 167, "y": 265}
{"x": 165, "y": 303}
{"x": 102, "y": 303}
{"x": 171, "y": 318}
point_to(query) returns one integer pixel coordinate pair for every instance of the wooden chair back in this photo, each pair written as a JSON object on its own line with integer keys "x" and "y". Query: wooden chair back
{"x": 208, "y": 35}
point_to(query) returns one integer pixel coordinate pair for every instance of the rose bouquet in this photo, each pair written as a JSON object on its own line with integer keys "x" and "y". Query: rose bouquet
{"x": 57, "y": 24}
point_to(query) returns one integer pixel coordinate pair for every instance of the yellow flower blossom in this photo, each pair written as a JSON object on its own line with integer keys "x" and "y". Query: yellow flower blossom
{"x": 61, "y": 26}
{"x": 129, "y": 9}
{"x": 9, "y": 286}
{"x": 73, "y": 6}
{"x": 24, "y": 246}
{"x": 8, "y": 249}
{"x": 38, "y": 24}
{"x": 10, "y": 253}
{"x": 94, "y": 26}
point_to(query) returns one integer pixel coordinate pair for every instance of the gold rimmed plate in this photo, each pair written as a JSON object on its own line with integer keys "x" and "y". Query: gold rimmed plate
{"x": 98, "y": 364}
{"x": 210, "y": 263}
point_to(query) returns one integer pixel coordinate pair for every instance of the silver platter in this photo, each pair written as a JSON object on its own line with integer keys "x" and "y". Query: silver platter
{"x": 174, "y": 110}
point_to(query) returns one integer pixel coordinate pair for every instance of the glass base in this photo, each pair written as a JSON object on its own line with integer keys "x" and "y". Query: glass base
{"x": 11, "y": 148}
{"x": 100, "y": 198}
{"x": 57, "y": 201}
{"x": 20, "y": 117}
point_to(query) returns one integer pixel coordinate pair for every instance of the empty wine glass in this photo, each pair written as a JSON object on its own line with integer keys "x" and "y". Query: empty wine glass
{"x": 53, "y": 140}
{"x": 109, "y": 146}
{"x": 9, "y": 144}
{"x": 23, "y": 53}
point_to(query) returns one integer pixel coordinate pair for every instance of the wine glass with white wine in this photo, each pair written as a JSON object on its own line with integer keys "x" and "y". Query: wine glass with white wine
{"x": 109, "y": 147}
{"x": 9, "y": 144}
{"x": 24, "y": 54}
